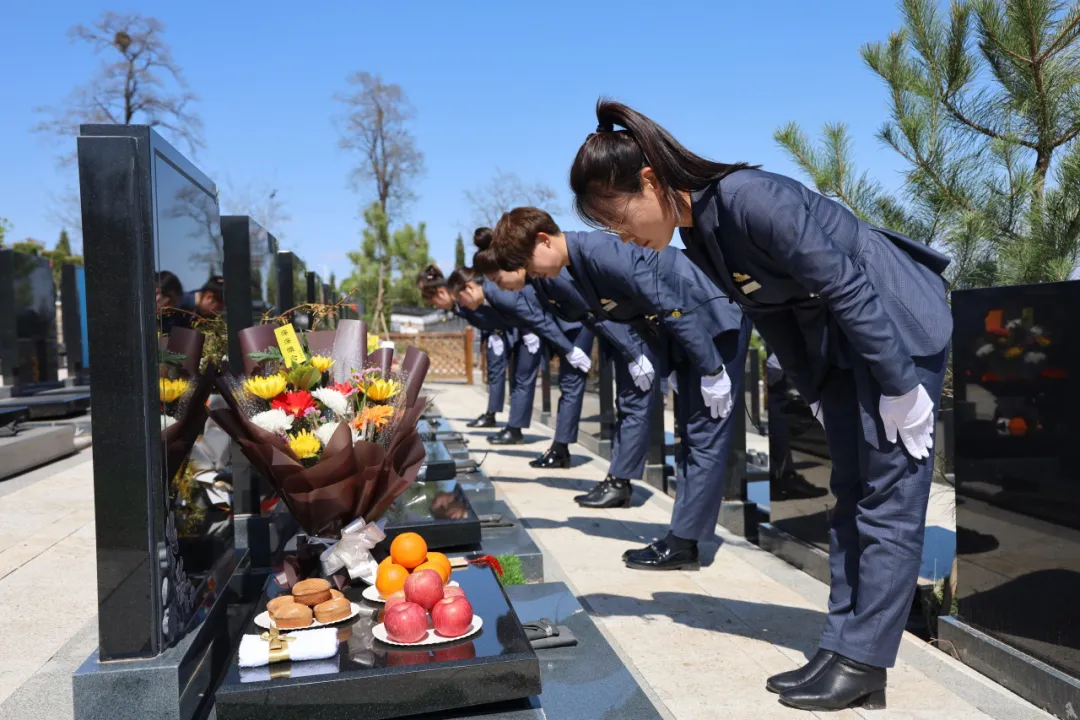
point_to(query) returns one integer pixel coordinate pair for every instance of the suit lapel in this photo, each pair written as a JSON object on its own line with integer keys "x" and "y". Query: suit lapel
{"x": 577, "y": 270}
{"x": 704, "y": 249}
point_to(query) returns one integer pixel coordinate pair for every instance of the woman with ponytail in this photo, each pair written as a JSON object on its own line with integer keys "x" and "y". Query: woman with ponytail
{"x": 496, "y": 336}
{"x": 858, "y": 319}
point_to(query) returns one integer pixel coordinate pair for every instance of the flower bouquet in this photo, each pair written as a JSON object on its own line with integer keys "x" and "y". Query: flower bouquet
{"x": 331, "y": 427}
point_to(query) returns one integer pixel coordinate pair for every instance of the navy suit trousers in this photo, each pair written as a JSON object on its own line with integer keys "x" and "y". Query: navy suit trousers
{"x": 877, "y": 526}
{"x": 572, "y": 389}
{"x": 630, "y": 441}
{"x": 523, "y": 385}
{"x": 705, "y": 443}
{"x": 496, "y": 376}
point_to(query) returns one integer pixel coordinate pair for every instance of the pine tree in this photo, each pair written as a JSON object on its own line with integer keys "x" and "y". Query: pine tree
{"x": 983, "y": 109}
{"x": 459, "y": 252}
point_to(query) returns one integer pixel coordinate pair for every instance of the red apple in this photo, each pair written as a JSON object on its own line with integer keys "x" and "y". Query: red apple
{"x": 394, "y": 599}
{"x": 453, "y": 591}
{"x": 406, "y": 622}
{"x": 452, "y": 616}
{"x": 400, "y": 659}
{"x": 425, "y": 588}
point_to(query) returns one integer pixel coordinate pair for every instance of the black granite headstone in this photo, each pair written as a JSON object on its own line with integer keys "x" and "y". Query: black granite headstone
{"x": 73, "y": 304}
{"x": 28, "y": 353}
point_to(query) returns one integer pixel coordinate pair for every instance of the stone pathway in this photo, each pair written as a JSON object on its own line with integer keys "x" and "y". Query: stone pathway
{"x": 704, "y": 641}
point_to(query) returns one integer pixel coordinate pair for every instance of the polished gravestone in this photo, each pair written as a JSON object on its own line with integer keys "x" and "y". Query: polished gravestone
{"x": 75, "y": 329}
{"x": 438, "y": 511}
{"x": 374, "y": 680}
{"x": 438, "y": 463}
{"x": 1017, "y": 386}
{"x": 28, "y": 352}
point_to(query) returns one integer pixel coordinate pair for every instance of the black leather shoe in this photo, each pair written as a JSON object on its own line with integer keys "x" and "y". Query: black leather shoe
{"x": 507, "y": 436}
{"x": 487, "y": 420}
{"x": 659, "y": 556}
{"x": 843, "y": 683}
{"x": 795, "y": 487}
{"x": 611, "y": 493}
{"x": 794, "y": 678}
{"x": 553, "y": 457}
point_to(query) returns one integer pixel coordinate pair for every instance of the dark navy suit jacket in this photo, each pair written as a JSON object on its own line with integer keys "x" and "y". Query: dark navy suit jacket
{"x": 563, "y": 298}
{"x": 662, "y": 295}
{"x": 524, "y": 310}
{"x": 487, "y": 320}
{"x": 821, "y": 286}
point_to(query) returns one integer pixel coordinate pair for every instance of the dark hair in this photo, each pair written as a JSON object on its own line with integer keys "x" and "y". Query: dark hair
{"x": 459, "y": 279}
{"x": 609, "y": 163}
{"x": 515, "y": 236}
{"x": 216, "y": 284}
{"x": 169, "y": 284}
{"x": 483, "y": 262}
{"x": 430, "y": 280}
{"x": 482, "y": 238}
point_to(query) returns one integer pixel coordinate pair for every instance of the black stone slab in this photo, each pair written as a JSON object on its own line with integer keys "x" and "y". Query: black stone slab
{"x": 28, "y": 352}
{"x": 47, "y": 407}
{"x": 439, "y": 511}
{"x": 438, "y": 465}
{"x": 11, "y": 414}
{"x": 371, "y": 680}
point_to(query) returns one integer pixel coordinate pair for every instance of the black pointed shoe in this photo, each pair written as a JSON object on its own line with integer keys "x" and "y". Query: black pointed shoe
{"x": 843, "y": 683}
{"x": 794, "y": 678}
{"x": 553, "y": 457}
{"x": 659, "y": 556}
{"x": 507, "y": 436}
{"x": 610, "y": 493}
{"x": 487, "y": 420}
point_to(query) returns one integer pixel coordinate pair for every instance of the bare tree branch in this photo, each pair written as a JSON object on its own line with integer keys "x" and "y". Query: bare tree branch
{"x": 505, "y": 192}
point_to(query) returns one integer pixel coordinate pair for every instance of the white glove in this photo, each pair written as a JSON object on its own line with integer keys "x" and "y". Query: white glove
{"x": 532, "y": 343}
{"x": 641, "y": 370}
{"x": 496, "y": 344}
{"x": 815, "y": 408}
{"x": 911, "y": 416}
{"x": 716, "y": 390}
{"x": 579, "y": 360}
{"x": 673, "y": 382}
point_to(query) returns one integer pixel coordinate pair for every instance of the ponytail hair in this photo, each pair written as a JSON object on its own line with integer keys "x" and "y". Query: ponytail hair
{"x": 484, "y": 261}
{"x": 458, "y": 279}
{"x": 430, "y": 280}
{"x": 608, "y": 165}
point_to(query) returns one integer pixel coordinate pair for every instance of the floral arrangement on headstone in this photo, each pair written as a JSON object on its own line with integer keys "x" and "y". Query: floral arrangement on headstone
{"x": 332, "y": 427}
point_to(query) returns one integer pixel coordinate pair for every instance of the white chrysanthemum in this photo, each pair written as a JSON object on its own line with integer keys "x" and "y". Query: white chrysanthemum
{"x": 985, "y": 350}
{"x": 275, "y": 421}
{"x": 1034, "y": 358}
{"x": 325, "y": 432}
{"x": 333, "y": 400}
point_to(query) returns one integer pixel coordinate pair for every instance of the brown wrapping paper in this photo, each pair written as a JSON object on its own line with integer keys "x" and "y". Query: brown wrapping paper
{"x": 255, "y": 339}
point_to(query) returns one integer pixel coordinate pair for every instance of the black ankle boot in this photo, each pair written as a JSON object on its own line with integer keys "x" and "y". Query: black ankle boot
{"x": 794, "y": 678}
{"x": 556, "y": 456}
{"x": 843, "y": 683}
{"x": 611, "y": 493}
{"x": 507, "y": 436}
{"x": 487, "y": 420}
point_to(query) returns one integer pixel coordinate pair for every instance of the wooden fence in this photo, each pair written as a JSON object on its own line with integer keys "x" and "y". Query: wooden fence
{"x": 451, "y": 353}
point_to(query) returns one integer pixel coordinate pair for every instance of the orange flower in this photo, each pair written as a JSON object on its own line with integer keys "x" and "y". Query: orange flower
{"x": 377, "y": 415}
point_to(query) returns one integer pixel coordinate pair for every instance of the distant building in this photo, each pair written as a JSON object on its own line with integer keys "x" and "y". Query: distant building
{"x": 411, "y": 319}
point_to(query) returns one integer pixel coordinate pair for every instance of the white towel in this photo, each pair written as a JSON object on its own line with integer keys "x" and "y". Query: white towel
{"x": 316, "y": 644}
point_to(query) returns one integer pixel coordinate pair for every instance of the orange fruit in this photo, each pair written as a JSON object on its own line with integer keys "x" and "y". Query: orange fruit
{"x": 438, "y": 557}
{"x": 386, "y": 561}
{"x": 390, "y": 579}
{"x": 408, "y": 550}
{"x": 437, "y": 567}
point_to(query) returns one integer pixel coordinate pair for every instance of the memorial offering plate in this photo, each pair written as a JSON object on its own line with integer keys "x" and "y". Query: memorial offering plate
{"x": 432, "y": 638}
{"x": 372, "y": 594}
{"x": 263, "y": 619}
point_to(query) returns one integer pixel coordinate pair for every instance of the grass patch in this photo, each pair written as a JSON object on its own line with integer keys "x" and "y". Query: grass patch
{"x": 512, "y": 573}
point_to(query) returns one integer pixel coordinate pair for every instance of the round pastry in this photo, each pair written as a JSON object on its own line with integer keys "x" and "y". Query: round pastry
{"x": 273, "y": 605}
{"x": 333, "y": 610}
{"x": 336, "y": 594}
{"x": 311, "y": 592}
{"x": 292, "y": 616}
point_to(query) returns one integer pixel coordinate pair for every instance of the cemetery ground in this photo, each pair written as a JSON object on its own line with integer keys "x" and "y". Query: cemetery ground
{"x": 701, "y": 643}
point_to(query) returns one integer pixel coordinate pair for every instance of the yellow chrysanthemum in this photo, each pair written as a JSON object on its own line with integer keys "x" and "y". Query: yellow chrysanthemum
{"x": 382, "y": 390}
{"x": 1013, "y": 352}
{"x": 1043, "y": 341}
{"x": 171, "y": 389}
{"x": 304, "y": 445}
{"x": 321, "y": 363}
{"x": 372, "y": 343}
{"x": 268, "y": 387}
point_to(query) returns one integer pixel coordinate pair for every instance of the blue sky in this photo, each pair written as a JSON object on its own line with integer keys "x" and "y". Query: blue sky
{"x": 495, "y": 85}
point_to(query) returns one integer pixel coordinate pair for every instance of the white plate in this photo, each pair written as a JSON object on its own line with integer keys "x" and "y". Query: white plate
{"x": 431, "y": 638}
{"x": 372, "y": 594}
{"x": 263, "y": 619}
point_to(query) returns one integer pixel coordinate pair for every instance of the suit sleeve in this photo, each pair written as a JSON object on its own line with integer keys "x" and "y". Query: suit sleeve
{"x": 542, "y": 323}
{"x": 622, "y": 338}
{"x": 777, "y": 219}
{"x": 638, "y": 271}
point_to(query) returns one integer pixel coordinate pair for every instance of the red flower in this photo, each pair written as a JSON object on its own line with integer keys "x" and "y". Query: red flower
{"x": 294, "y": 403}
{"x": 344, "y": 388}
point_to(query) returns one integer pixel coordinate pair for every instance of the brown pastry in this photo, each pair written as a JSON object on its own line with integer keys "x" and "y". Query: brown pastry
{"x": 311, "y": 592}
{"x": 333, "y": 610}
{"x": 273, "y": 605}
{"x": 292, "y": 616}
{"x": 336, "y": 594}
